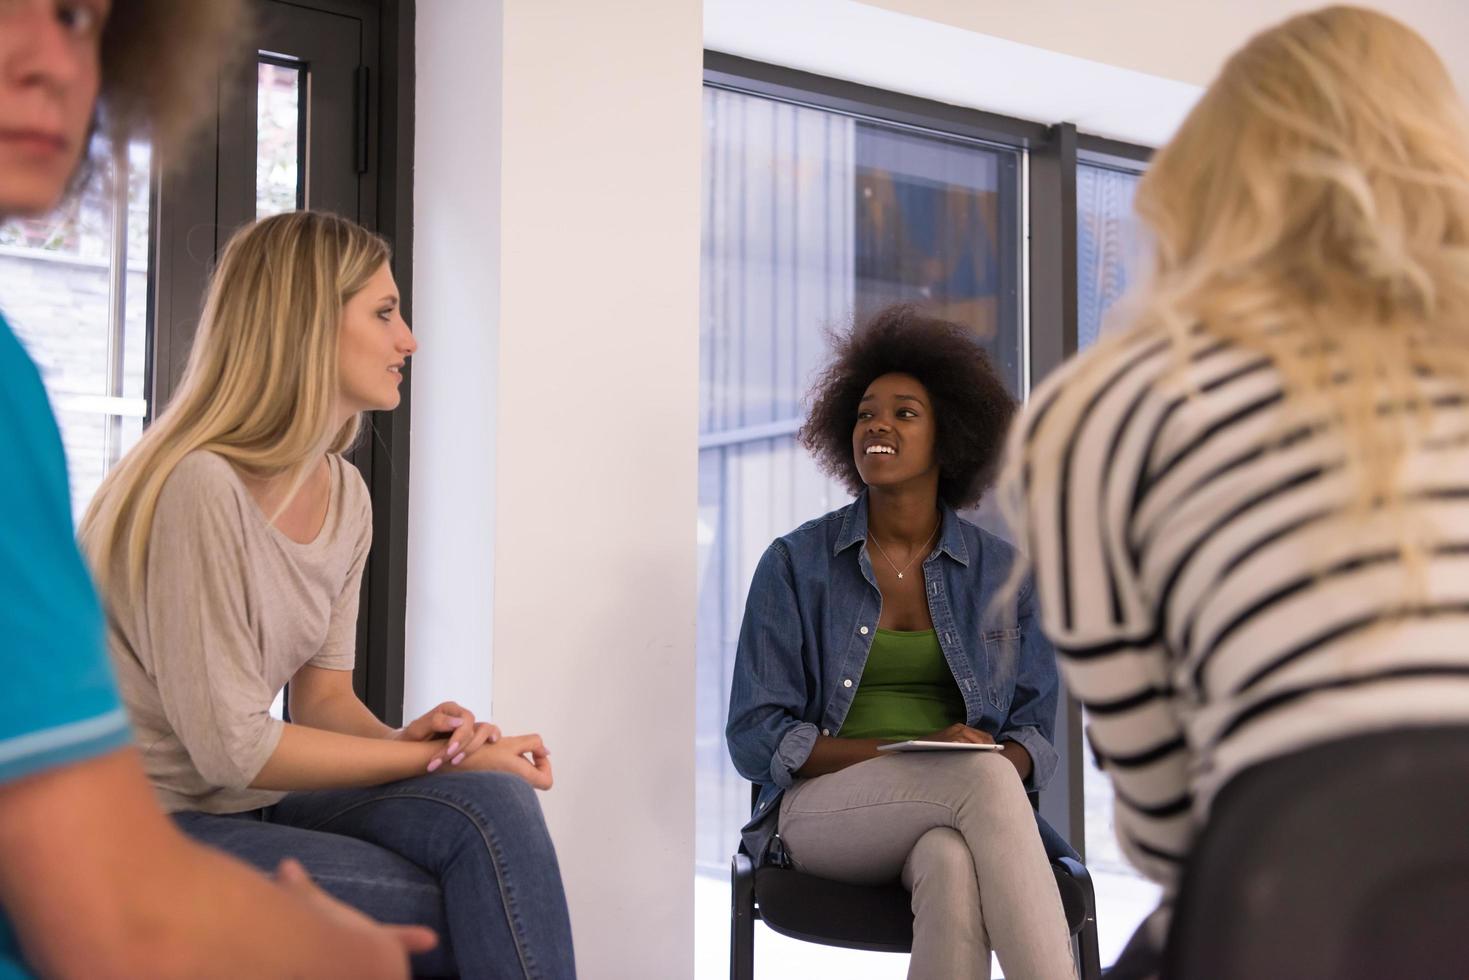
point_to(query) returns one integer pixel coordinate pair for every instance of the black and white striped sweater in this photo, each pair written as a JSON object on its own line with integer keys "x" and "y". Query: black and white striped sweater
{"x": 1215, "y": 594}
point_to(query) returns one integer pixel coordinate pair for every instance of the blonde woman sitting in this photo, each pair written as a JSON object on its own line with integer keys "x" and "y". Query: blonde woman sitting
{"x": 230, "y": 545}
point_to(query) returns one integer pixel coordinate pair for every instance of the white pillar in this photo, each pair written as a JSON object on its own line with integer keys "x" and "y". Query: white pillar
{"x": 593, "y": 367}
{"x": 456, "y": 313}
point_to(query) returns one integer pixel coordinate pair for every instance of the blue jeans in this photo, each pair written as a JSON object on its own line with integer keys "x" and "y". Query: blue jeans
{"x": 466, "y": 854}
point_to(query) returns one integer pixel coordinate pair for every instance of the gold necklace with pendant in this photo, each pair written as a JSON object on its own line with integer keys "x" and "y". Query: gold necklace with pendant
{"x": 921, "y": 549}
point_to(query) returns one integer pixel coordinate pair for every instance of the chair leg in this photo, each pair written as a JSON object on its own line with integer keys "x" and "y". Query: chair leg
{"x": 1088, "y": 958}
{"x": 742, "y": 918}
{"x": 1091, "y": 958}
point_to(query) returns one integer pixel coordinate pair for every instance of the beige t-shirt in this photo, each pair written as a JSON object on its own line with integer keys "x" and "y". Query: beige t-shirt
{"x": 231, "y": 609}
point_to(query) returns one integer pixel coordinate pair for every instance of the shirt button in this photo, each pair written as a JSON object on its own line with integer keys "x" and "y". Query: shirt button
{"x": 847, "y": 682}
{"x": 826, "y": 731}
{"x": 863, "y": 631}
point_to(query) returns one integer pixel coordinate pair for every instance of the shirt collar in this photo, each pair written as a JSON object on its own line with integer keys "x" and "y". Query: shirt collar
{"x": 854, "y": 530}
{"x": 854, "y": 525}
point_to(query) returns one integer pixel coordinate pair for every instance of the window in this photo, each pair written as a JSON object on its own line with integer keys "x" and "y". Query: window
{"x": 75, "y": 290}
{"x": 1106, "y": 244}
{"x": 278, "y": 137}
{"x": 812, "y": 216}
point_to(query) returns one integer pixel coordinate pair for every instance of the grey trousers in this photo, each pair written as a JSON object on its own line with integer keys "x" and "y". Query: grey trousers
{"x": 957, "y": 830}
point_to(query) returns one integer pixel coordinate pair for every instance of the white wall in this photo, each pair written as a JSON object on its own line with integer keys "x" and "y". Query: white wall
{"x": 456, "y": 313}
{"x": 597, "y": 504}
{"x": 1186, "y": 40}
{"x": 566, "y": 288}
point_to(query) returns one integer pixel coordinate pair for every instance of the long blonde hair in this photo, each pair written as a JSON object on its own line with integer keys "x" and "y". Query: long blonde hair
{"x": 1314, "y": 206}
{"x": 261, "y": 383}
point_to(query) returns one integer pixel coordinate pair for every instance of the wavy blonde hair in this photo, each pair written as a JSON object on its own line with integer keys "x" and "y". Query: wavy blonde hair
{"x": 1314, "y": 206}
{"x": 261, "y": 384}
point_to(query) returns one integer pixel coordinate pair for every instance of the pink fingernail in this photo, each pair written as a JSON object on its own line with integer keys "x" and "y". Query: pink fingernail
{"x": 439, "y": 761}
{"x": 455, "y": 722}
{"x": 453, "y": 747}
{"x": 458, "y": 759}
{"x": 494, "y": 738}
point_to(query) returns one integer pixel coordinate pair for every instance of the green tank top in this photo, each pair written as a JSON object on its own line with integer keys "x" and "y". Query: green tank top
{"x": 906, "y": 691}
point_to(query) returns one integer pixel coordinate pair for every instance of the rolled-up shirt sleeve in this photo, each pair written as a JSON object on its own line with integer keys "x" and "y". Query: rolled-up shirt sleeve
{"x": 1042, "y": 754}
{"x": 792, "y": 752}
{"x": 202, "y": 651}
{"x": 1032, "y": 719}
{"x": 768, "y": 741}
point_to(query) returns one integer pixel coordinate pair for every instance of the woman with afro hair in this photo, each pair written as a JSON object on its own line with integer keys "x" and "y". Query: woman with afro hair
{"x": 874, "y": 624}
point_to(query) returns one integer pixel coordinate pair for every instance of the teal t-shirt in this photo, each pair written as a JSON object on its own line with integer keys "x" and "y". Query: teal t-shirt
{"x": 58, "y": 701}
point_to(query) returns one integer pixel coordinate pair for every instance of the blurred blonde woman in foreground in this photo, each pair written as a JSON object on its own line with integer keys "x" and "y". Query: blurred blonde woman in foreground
{"x": 230, "y": 544}
{"x": 1248, "y": 508}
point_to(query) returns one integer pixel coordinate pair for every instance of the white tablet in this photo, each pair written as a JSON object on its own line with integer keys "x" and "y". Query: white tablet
{"x": 918, "y": 745}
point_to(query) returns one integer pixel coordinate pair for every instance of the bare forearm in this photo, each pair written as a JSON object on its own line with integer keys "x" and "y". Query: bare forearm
{"x": 341, "y": 713}
{"x": 832, "y": 754}
{"x": 309, "y": 758}
{"x": 1018, "y": 757}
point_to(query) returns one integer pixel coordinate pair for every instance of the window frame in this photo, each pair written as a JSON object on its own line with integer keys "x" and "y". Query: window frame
{"x": 1050, "y": 155}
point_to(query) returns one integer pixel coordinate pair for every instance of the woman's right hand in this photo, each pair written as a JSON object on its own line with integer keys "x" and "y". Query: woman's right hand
{"x": 524, "y": 755}
{"x": 961, "y": 733}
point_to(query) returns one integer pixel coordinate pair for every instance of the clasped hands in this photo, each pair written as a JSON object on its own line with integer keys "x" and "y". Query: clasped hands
{"x": 478, "y": 746}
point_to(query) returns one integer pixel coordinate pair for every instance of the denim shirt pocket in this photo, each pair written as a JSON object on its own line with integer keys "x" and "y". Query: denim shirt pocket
{"x": 1002, "y": 650}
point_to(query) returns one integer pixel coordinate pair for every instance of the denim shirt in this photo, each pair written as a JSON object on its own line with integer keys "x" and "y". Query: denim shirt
{"x": 811, "y": 617}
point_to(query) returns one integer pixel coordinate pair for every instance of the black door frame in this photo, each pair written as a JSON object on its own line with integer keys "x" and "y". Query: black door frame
{"x": 190, "y": 227}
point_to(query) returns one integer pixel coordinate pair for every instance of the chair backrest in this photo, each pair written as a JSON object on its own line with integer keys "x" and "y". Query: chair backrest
{"x": 1347, "y": 860}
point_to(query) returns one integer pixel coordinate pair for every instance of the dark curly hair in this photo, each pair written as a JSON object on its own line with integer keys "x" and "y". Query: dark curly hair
{"x": 972, "y": 408}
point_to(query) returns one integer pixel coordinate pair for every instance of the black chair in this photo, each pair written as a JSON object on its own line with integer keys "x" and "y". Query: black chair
{"x": 875, "y": 917}
{"x": 1347, "y": 861}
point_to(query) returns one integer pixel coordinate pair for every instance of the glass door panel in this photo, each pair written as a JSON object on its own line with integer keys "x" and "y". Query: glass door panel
{"x": 280, "y": 127}
{"x": 75, "y": 289}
